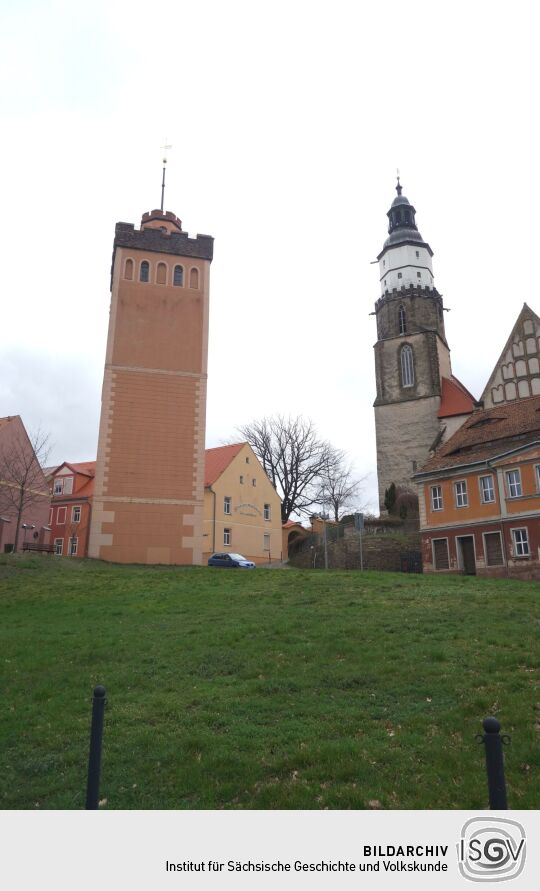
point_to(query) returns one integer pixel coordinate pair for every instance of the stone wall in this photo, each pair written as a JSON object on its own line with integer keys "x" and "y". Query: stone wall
{"x": 380, "y": 552}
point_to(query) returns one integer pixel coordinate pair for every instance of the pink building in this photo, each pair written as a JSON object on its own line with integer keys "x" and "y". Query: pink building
{"x": 24, "y": 495}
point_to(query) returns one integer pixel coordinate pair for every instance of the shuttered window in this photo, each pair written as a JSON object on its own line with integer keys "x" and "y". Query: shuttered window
{"x": 440, "y": 553}
{"x": 493, "y": 548}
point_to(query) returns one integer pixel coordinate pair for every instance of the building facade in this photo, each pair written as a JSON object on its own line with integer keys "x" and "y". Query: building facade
{"x": 149, "y": 482}
{"x": 242, "y": 510}
{"x": 419, "y": 401}
{"x": 24, "y": 494}
{"x": 479, "y": 495}
{"x": 72, "y": 488}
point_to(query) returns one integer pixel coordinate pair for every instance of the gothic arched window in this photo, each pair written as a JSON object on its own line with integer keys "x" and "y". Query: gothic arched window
{"x": 145, "y": 271}
{"x": 128, "y": 270}
{"x": 193, "y": 278}
{"x": 402, "y": 320}
{"x": 161, "y": 274}
{"x": 407, "y": 366}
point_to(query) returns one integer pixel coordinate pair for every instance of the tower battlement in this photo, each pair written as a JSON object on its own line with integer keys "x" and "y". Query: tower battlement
{"x": 161, "y": 216}
{"x": 166, "y": 242}
{"x": 407, "y": 291}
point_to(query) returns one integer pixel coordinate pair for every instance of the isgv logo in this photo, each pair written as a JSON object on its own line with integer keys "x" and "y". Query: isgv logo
{"x": 491, "y": 849}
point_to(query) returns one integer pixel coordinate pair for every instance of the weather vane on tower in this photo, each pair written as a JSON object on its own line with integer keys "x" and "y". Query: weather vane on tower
{"x": 165, "y": 150}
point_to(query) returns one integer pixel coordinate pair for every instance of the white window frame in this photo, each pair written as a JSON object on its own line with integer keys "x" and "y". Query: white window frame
{"x": 523, "y": 544}
{"x": 61, "y": 522}
{"x": 76, "y": 517}
{"x": 73, "y": 544}
{"x": 227, "y": 538}
{"x": 493, "y": 532}
{"x": 266, "y": 541}
{"x": 462, "y": 497}
{"x": 58, "y": 488}
{"x": 58, "y": 547}
{"x": 537, "y": 476}
{"x": 436, "y": 499}
{"x": 514, "y": 488}
{"x": 491, "y": 488}
{"x": 227, "y": 504}
{"x": 267, "y": 512}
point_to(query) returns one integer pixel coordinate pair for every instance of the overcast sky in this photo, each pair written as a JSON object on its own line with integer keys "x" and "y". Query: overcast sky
{"x": 288, "y": 121}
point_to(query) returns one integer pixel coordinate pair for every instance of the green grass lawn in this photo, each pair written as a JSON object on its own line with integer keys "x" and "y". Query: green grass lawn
{"x": 264, "y": 689}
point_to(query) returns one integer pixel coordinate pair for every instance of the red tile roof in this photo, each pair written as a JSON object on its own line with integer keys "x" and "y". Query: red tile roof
{"x": 455, "y": 399}
{"x": 489, "y": 433}
{"x": 86, "y": 467}
{"x": 217, "y": 460}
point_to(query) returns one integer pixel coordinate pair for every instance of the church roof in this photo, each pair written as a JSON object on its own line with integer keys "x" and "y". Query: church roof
{"x": 455, "y": 399}
{"x": 504, "y": 383}
{"x": 402, "y": 228}
{"x": 487, "y": 434}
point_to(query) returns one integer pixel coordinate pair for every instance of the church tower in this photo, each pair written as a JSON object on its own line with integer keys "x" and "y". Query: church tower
{"x": 149, "y": 483}
{"x": 412, "y": 358}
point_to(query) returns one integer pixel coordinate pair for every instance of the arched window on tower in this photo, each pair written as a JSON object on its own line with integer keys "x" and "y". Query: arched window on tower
{"x": 144, "y": 275}
{"x": 193, "y": 277}
{"x": 402, "y": 320}
{"x": 407, "y": 366}
{"x": 128, "y": 270}
{"x": 178, "y": 278}
{"x": 161, "y": 274}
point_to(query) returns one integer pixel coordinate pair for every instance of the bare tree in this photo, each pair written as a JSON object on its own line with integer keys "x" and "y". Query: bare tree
{"x": 22, "y": 482}
{"x": 294, "y": 459}
{"x": 340, "y": 489}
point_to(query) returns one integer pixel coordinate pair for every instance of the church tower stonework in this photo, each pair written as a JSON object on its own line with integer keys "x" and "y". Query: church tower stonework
{"x": 412, "y": 357}
{"x": 149, "y": 483}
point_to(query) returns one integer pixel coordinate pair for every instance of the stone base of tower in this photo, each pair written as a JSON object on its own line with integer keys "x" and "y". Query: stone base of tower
{"x": 139, "y": 531}
{"x": 405, "y": 432}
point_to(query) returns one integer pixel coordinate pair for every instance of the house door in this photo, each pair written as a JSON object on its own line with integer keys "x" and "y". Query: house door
{"x": 468, "y": 562}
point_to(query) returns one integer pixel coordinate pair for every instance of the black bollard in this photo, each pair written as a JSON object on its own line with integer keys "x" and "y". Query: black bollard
{"x": 494, "y": 765}
{"x": 94, "y": 758}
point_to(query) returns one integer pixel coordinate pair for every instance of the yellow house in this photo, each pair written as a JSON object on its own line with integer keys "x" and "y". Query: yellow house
{"x": 242, "y": 510}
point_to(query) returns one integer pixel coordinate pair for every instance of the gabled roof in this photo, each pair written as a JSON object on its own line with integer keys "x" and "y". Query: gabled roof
{"x": 455, "y": 399}
{"x": 517, "y": 333}
{"x": 86, "y": 468}
{"x": 488, "y": 433}
{"x": 218, "y": 459}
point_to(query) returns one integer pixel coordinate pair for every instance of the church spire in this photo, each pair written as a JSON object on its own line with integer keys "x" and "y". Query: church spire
{"x": 405, "y": 258}
{"x": 401, "y": 213}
